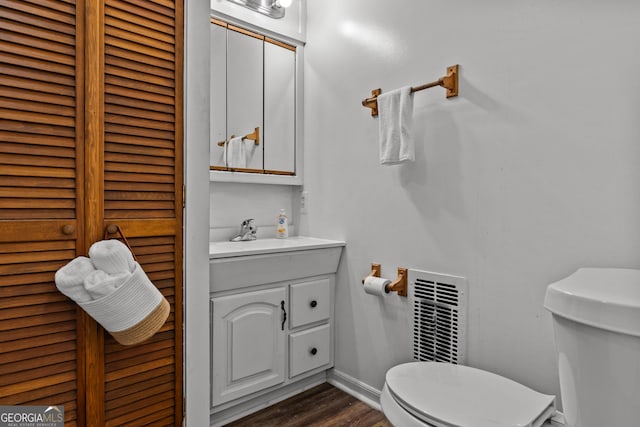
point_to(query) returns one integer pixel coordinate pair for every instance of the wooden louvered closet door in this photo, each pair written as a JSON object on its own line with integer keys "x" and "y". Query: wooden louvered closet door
{"x": 41, "y": 203}
{"x": 143, "y": 194}
{"x": 90, "y": 135}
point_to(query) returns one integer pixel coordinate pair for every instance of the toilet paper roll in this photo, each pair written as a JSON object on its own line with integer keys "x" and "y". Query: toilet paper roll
{"x": 376, "y": 286}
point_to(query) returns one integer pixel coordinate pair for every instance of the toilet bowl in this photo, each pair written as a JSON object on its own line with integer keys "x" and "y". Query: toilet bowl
{"x": 596, "y": 317}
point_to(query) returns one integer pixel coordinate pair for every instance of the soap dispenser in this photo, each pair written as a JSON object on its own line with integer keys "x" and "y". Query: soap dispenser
{"x": 282, "y": 226}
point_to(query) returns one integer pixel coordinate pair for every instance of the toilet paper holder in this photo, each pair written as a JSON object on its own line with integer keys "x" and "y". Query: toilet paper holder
{"x": 399, "y": 285}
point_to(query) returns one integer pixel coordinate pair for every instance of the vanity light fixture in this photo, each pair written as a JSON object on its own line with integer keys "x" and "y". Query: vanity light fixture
{"x": 271, "y": 8}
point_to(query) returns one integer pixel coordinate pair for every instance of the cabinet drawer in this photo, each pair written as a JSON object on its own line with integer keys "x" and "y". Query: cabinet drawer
{"x": 310, "y": 302}
{"x": 309, "y": 349}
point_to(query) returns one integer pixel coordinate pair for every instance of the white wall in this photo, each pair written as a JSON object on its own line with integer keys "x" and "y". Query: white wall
{"x": 231, "y": 203}
{"x": 529, "y": 174}
{"x": 196, "y": 216}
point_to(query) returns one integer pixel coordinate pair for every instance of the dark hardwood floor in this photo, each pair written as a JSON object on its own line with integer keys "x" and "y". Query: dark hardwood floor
{"x": 321, "y": 406}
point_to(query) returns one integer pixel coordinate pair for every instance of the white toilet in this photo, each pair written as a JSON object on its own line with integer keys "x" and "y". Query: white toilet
{"x": 596, "y": 317}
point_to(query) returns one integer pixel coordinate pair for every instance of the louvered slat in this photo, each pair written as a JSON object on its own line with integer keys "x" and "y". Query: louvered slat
{"x": 121, "y": 24}
{"x": 35, "y": 20}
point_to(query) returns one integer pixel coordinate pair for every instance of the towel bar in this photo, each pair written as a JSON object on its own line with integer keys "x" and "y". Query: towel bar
{"x": 449, "y": 82}
{"x": 253, "y": 136}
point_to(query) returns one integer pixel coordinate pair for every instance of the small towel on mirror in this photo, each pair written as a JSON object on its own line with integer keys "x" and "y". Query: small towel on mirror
{"x": 395, "y": 109}
{"x": 235, "y": 153}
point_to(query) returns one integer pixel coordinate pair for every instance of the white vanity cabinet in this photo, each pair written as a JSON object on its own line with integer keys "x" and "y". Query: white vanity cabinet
{"x": 272, "y": 322}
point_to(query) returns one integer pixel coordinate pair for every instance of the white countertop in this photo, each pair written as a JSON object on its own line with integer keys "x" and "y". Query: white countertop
{"x": 268, "y": 246}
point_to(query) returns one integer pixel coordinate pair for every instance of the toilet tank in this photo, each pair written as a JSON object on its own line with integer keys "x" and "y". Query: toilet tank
{"x": 596, "y": 320}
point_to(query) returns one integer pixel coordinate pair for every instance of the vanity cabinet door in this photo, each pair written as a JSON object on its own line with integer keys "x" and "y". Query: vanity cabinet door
{"x": 245, "y": 92}
{"x": 248, "y": 341}
{"x": 279, "y": 108}
{"x": 218, "y": 114}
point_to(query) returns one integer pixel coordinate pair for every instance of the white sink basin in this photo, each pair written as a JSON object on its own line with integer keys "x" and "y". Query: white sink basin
{"x": 268, "y": 246}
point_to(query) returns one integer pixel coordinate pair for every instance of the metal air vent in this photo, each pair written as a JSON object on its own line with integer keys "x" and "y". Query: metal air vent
{"x": 439, "y": 304}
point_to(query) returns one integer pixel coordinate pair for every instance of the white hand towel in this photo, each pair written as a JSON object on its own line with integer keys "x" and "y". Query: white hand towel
{"x": 100, "y": 284}
{"x": 395, "y": 109}
{"x": 70, "y": 278}
{"x": 236, "y": 153}
{"x": 111, "y": 256}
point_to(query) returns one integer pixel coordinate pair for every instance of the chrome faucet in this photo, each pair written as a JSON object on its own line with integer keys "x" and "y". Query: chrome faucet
{"x": 248, "y": 230}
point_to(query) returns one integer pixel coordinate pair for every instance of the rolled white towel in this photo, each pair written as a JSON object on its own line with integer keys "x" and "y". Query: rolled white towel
{"x": 70, "y": 278}
{"x": 111, "y": 256}
{"x": 100, "y": 284}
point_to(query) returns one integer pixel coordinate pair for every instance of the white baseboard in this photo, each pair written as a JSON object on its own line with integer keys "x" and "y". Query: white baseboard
{"x": 558, "y": 419}
{"x": 354, "y": 387}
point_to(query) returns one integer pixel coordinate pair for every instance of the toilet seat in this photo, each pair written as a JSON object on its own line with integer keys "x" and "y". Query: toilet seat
{"x": 446, "y": 395}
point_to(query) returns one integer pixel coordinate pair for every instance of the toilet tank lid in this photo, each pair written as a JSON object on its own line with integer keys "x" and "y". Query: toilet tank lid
{"x": 606, "y": 298}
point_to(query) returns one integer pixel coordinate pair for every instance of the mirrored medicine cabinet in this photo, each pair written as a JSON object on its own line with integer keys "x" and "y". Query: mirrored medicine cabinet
{"x": 255, "y": 102}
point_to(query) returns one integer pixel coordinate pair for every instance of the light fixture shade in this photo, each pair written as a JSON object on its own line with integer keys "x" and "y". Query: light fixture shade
{"x": 271, "y": 8}
{"x": 285, "y": 3}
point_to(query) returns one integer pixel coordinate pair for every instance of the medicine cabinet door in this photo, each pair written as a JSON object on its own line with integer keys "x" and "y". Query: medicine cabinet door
{"x": 279, "y": 108}
{"x": 218, "y": 112}
{"x": 245, "y": 93}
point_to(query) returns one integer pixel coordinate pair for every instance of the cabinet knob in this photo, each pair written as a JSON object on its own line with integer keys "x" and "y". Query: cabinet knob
{"x": 313, "y": 304}
{"x": 313, "y": 351}
{"x": 68, "y": 229}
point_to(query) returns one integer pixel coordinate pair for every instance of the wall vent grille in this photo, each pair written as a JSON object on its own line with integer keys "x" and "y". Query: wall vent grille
{"x": 439, "y": 304}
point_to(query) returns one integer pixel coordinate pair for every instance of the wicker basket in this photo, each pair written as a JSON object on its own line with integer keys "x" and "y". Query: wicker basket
{"x": 132, "y": 313}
